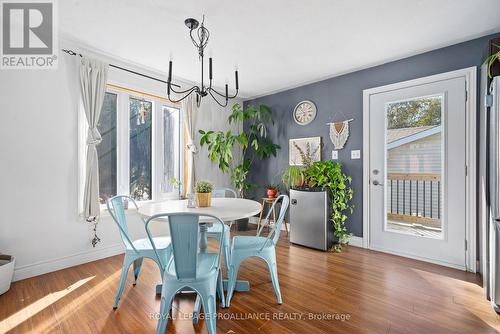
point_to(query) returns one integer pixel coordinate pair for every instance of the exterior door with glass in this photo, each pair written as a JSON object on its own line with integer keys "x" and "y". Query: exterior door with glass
{"x": 417, "y": 166}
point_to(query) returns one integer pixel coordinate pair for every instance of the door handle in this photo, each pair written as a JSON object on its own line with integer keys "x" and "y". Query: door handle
{"x": 376, "y": 183}
{"x": 294, "y": 201}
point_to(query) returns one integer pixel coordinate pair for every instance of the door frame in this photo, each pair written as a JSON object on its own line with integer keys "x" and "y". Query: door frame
{"x": 470, "y": 75}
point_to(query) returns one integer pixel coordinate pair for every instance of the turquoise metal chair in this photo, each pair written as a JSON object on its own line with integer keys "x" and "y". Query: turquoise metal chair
{"x": 215, "y": 230}
{"x": 137, "y": 250}
{"x": 244, "y": 247}
{"x": 189, "y": 268}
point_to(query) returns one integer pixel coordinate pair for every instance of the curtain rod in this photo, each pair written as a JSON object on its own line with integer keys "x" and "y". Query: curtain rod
{"x": 73, "y": 53}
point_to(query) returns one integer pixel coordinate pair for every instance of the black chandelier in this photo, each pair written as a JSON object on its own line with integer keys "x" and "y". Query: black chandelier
{"x": 200, "y": 41}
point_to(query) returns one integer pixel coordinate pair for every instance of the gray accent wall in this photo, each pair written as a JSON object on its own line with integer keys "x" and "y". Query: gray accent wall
{"x": 341, "y": 98}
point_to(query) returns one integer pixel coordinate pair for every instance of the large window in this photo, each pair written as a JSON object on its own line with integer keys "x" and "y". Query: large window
{"x": 141, "y": 148}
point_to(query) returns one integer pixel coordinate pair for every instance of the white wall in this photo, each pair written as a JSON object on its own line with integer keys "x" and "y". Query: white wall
{"x": 39, "y": 167}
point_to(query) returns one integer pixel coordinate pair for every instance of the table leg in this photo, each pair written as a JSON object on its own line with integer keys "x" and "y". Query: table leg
{"x": 261, "y": 211}
{"x": 203, "y": 238}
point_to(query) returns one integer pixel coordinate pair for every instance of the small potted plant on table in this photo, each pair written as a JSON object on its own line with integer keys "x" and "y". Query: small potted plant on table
{"x": 204, "y": 193}
{"x": 272, "y": 190}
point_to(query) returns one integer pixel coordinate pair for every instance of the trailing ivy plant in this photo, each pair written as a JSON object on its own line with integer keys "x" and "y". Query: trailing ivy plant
{"x": 329, "y": 175}
{"x": 252, "y": 143}
{"x": 492, "y": 59}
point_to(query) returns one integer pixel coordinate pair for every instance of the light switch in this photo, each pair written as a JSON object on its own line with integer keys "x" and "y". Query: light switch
{"x": 335, "y": 155}
{"x": 355, "y": 154}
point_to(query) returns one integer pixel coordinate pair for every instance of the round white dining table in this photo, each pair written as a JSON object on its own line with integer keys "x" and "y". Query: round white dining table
{"x": 227, "y": 209}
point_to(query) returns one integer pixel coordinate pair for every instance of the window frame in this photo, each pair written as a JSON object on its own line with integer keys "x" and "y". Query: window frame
{"x": 123, "y": 141}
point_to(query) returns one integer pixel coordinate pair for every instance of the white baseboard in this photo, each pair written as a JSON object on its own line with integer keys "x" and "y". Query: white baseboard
{"x": 48, "y": 266}
{"x": 356, "y": 241}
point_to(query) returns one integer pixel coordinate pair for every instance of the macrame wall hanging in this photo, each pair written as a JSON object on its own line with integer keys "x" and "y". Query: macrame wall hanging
{"x": 339, "y": 132}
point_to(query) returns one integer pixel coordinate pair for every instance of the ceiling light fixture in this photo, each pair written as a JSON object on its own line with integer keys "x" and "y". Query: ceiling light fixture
{"x": 199, "y": 36}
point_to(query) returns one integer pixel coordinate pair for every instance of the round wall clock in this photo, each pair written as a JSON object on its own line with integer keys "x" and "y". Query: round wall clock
{"x": 304, "y": 112}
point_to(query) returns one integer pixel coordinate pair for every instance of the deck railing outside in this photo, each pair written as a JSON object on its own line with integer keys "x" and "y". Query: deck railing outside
{"x": 414, "y": 198}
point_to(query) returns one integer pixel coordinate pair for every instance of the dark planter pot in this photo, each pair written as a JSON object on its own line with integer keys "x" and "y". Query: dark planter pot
{"x": 242, "y": 224}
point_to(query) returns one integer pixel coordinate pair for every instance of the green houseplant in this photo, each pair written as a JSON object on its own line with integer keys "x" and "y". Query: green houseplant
{"x": 204, "y": 193}
{"x": 252, "y": 143}
{"x": 492, "y": 59}
{"x": 329, "y": 175}
{"x": 293, "y": 177}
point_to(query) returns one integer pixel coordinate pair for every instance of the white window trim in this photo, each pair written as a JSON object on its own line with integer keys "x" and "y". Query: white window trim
{"x": 123, "y": 144}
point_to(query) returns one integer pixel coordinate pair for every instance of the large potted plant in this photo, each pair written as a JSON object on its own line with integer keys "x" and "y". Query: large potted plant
{"x": 329, "y": 175}
{"x": 251, "y": 144}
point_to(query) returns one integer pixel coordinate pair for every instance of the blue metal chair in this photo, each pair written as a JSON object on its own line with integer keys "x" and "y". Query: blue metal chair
{"x": 189, "y": 268}
{"x": 214, "y": 231}
{"x": 137, "y": 250}
{"x": 263, "y": 247}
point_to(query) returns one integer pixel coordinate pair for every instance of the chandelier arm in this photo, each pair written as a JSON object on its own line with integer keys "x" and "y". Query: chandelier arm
{"x": 215, "y": 91}
{"x": 192, "y": 39}
{"x": 212, "y": 95}
{"x": 222, "y": 95}
{"x": 182, "y": 98}
{"x": 182, "y": 91}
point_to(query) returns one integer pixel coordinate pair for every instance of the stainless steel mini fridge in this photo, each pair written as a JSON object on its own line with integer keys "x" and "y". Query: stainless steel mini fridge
{"x": 310, "y": 224}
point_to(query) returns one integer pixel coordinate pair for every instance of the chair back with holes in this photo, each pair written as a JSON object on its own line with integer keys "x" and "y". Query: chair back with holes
{"x": 274, "y": 234}
{"x": 185, "y": 236}
{"x": 116, "y": 208}
{"x": 220, "y": 192}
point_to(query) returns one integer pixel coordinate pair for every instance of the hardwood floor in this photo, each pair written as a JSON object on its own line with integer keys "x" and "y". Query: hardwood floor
{"x": 357, "y": 291}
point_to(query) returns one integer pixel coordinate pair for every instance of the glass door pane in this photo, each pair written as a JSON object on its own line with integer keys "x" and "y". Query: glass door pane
{"x": 414, "y": 166}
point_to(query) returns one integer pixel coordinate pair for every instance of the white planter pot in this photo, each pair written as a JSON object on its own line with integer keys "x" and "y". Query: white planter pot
{"x": 7, "y": 263}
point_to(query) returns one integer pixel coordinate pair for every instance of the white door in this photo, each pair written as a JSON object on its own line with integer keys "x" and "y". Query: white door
{"x": 418, "y": 171}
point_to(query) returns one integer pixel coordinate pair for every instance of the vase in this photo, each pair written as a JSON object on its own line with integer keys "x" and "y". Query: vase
{"x": 204, "y": 199}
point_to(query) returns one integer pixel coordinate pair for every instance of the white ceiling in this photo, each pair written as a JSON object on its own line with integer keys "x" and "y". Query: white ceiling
{"x": 276, "y": 44}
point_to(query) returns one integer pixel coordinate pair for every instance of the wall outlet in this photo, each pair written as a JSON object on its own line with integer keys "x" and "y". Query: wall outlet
{"x": 355, "y": 154}
{"x": 335, "y": 155}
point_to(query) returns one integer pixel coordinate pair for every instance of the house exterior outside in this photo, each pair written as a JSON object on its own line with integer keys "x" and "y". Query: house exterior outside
{"x": 414, "y": 165}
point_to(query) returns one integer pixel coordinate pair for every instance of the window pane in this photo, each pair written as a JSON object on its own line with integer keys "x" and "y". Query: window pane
{"x": 414, "y": 166}
{"x": 140, "y": 149}
{"x": 106, "y": 150}
{"x": 171, "y": 149}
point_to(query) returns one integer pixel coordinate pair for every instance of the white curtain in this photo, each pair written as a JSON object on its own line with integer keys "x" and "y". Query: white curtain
{"x": 190, "y": 110}
{"x": 93, "y": 76}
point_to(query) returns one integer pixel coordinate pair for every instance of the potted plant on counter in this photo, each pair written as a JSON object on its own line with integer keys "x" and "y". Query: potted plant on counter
{"x": 272, "y": 190}
{"x": 204, "y": 193}
{"x": 293, "y": 177}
